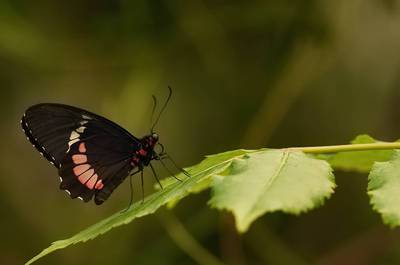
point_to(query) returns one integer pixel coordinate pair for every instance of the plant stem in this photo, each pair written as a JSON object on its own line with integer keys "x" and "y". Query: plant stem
{"x": 346, "y": 148}
{"x": 186, "y": 242}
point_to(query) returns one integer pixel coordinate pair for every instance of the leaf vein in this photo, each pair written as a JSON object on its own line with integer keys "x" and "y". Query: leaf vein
{"x": 268, "y": 184}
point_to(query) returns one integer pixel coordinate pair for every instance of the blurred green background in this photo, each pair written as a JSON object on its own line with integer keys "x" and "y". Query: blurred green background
{"x": 245, "y": 74}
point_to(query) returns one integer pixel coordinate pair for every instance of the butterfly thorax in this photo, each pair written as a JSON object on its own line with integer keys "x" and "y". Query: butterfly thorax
{"x": 145, "y": 153}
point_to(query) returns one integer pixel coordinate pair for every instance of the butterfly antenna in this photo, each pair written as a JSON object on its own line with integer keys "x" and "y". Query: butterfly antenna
{"x": 153, "y": 110}
{"x": 162, "y": 109}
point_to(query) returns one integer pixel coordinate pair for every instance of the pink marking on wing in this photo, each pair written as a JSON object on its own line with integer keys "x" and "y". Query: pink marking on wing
{"x": 82, "y": 148}
{"x": 99, "y": 184}
{"x": 86, "y": 176}
{"x": 79, "y": 159}
{"x": 78, "y": 170}
{"x": 91, "y": 182}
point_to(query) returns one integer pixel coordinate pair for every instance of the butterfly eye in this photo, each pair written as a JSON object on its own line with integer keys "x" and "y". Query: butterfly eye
{"x": 155, "y": 136}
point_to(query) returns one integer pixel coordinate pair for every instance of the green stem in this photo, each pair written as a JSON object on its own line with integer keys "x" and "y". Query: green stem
{"x": 346, "y": 148}
{"x": 186, "y": 242}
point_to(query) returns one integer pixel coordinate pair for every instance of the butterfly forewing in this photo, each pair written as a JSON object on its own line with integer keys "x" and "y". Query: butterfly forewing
{"x": 93, "y": 154}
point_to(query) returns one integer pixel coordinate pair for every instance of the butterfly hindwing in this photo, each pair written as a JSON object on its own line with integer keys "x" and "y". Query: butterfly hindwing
{"x": 85, "y": 173}
{"x": 92, "y": 154}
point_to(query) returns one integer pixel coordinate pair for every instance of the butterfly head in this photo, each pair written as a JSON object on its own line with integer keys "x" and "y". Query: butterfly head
{"x": 150, "y": 140}
{"x": 154, "y": 137}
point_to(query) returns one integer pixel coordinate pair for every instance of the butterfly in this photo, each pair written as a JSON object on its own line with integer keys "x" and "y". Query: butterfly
{"x": 93, "y": 155}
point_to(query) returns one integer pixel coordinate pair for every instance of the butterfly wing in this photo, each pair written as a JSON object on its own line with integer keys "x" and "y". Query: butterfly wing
{"x": 92, "y": 154}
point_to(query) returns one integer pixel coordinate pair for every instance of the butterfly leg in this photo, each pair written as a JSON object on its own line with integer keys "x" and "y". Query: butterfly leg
{"x": 178, "y": 167}
{"x": 141, "y": 179}
{"x": 169, "y": 171}
{"x": 166, "y": 156}
{"x": 155, "y": 175}
{"x": 131, "y": 188}
{"x": 137, "y": 171}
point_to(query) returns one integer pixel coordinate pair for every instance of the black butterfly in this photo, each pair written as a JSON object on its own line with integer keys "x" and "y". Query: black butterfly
{"x": 93, "y": 155}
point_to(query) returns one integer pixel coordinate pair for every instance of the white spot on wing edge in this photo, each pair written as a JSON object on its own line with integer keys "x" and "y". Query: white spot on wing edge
{"x": 26, "y": 125}
{"x": 80, "y": 198}
{"x": 86, "y": 117}
{"x": 68, "y": 192}
{"x": 83, "y": 122}
{"x": 81, "y": 129}
{"x": 74, "y": 135}
{"x": 73, "y": 141}
{"x": 60, "y": 179}
{"x": 70, "y": 143}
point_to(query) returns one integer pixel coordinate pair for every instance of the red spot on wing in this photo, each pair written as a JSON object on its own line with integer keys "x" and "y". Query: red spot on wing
{"x": 79, "y": 159}
{"x": 99, "y": 184}
{"x": 84, "y": 178}
{"x": 88, "y": 177}
{"x": 91, "y": 182}
{"x": 78, "y": 170}
{"x": 82, "y": 148}
{"x": 85, "y": 174}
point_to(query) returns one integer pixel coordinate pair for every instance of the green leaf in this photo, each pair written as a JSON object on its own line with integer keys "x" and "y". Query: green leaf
{"x": 271, "y": 180}
{"x": 205, "y": 182}
{"x": 384, "y": 189}
{"x": 360, "y": 161}
{"x": 171, "y": 193}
